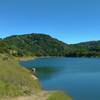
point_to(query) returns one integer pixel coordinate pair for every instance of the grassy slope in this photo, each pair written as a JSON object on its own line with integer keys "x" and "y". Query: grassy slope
{"x": 14, "y": 80}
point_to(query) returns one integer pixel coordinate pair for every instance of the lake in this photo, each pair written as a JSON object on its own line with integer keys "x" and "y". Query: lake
{"x": 78, "y": 77}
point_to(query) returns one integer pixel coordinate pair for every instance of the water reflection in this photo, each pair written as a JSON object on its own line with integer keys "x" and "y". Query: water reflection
{"x": 45, "y": 73}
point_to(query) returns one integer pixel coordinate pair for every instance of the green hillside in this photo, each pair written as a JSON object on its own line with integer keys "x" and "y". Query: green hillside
{"x": 33, "y": 45}
{"x": 85, "y": 49}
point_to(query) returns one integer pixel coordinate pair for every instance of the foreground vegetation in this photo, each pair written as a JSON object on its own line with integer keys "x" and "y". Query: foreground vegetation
{"x": 14, "y": 80}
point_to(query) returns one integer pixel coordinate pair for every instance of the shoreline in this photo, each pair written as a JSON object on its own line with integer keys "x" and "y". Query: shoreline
{"x": 35, "y": 57}
{"x": 24, "y": 58}
{"x": 31, "y": 58}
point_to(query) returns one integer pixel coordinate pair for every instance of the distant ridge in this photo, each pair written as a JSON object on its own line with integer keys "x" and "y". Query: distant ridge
{"x": 90, "y": 43}
{"x": 44, "y": 45}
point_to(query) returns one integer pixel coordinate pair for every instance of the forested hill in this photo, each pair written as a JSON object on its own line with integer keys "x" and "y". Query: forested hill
{"x": 33, "y": 45}
{"x": 86, "y": 49}
{"x": 90, "y": 43}
{"x": 45, "y": 45}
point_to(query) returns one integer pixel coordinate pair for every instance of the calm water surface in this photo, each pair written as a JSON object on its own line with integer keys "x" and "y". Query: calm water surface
{"x": 78, "y": 77}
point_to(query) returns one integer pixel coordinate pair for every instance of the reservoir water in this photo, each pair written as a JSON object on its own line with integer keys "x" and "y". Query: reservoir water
{"x": 78, "y": 77}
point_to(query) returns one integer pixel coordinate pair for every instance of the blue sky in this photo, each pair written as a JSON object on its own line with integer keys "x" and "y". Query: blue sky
{"x": 71, "y": 21}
